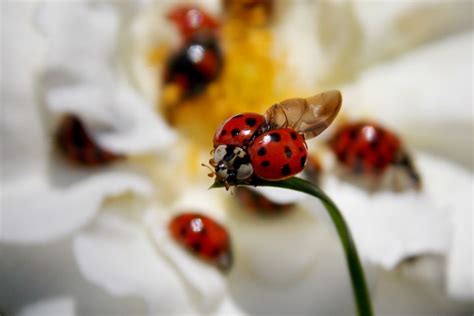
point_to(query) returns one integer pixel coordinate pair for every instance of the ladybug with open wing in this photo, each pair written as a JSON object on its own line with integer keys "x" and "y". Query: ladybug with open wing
{"x": 271, "y": 146}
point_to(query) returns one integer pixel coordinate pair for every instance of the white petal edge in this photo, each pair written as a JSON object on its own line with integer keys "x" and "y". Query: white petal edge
{"x": 452, "y": 190}
{"x": 206, "y": 281}
{"x": 56, "y": 306}
{"x": 85, "y": 77}
{"x": 388, "y": 226}
{"x": 429, "y": 106}
{"x": 35, "y": 212}
{"x": 117, "y": 255}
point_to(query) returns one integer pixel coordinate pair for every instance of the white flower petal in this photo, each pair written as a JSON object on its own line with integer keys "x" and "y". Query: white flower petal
{"x": 389, "y": 227}
{"x": 281, "y": 196}
{"x": 117, "y": 255}
{"x": 390, "y": 28}
{"x": 84, "y": 76}
{"x": 206, "y": 281}
{"x": 262, "y": 242}
{"x": 23, "y": 143}
{"x": 322, "y": 287}
{"x": 57, "y": 306}
{"x": 451, "y": 188}
{"x": 34, "y": 211}
{"x": 426, "y": 96}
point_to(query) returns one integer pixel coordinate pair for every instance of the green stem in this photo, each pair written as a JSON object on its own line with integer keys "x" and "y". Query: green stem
{"x": 359, "y": 286}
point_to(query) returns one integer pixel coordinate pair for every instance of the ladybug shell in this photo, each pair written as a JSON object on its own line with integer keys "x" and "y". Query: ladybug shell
{"x": 365, "y": 147}
{"x": 204, "y": 237}
{"x": 78, "y": 147}
{"x": 195, "y": 65}
{"x": 278, "y": 154}
{"x": 190, "y": 19}
{"x": 239, "y": 129}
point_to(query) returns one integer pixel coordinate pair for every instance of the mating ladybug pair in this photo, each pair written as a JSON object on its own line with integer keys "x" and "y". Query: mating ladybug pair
{"x": 271, "y": 146}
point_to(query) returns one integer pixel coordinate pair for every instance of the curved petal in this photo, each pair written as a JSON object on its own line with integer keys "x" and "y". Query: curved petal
{"x": 116, "y": 254}
{"x": 208, "y": 284}
{"x": 84, "y": 76}
{"x": 260, "y": 242}
{"x": 389, "y": 227}
{"x": 391, "y": 28}
{"x": 457, "y": 201}
{"x": 63, "y": 306}
{"x": 23, "y": 145}
{"x": 426, "y": 96}
{"x": 305, "y": 275}
{"x": 33, "y": 211}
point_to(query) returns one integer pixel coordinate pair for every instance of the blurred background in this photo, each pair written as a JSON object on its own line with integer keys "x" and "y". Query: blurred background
{"x": 109, "y": 108}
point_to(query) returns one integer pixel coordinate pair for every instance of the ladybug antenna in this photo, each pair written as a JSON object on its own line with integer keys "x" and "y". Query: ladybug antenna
{"x": 212, "y": 173}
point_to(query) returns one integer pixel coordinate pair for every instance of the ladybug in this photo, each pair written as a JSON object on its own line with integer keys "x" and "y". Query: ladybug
{"x": 189, "y": 20}
{"x": 271, "y": 146}
{"x": 257, "y": 202}
{"x": 204, "y": 237}
{"x": 367, "y": 148}
{"x": 75, "y": 143}
{"x": 195, "y": 65}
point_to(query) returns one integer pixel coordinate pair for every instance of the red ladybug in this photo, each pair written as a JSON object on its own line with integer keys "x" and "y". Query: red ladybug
{"x": 368, "y": 148}
{"x": 78, "y": 147}
{"x": 195, "y": 65}
{"x": 189, "y": 20}
{"x": 256, "y": 202}
{"x": 204, "y": 237}
{"x": 271, "y": 147}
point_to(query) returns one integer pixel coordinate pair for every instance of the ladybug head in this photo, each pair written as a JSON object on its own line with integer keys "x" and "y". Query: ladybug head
{"x": 231, "y": 164}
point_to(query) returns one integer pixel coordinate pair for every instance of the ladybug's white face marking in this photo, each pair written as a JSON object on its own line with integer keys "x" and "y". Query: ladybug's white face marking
{"x": 244, "y": 171}
{"x": 232, "y": 163}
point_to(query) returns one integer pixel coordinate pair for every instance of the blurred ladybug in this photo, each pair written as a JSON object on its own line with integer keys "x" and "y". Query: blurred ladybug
{"x": 204, "y": 237}
{"x": 195, "y": 65}
{"x": 189, "y": 20}
{"x": 77, "y": 146}
{"x": 367, "y": 148}
{"x": 256, "y": 202}
{"x": 271, "y": 146}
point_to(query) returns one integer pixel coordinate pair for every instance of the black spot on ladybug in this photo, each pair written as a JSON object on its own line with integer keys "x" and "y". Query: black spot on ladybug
{"x": 251, "y": 121}
{"x": 235, "y": 132}
{"x": 285, "y": 170}
{"x": 360, "y": 154}
{"x": 183, "y": 232}
{"x": 196, "y": 246}
{"x": 262, "y": 151}
{"x": 303, "y": 161}
{"x": 293, "y": 135}
{"x": 223, "y": 132}
{"x": 216, "y": 252}
{"x": 288, "y": 152}
{"x": 265, "y": 163}
{"x": 353, "y": 134}
{"x": 276, "y": 137}
{"x": 374, "y": 144}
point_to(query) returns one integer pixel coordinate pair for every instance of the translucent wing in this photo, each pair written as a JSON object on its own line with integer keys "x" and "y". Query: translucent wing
{"x": 309, "y": 116}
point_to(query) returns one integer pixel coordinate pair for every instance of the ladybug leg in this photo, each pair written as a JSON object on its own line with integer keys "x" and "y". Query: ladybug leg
{"x": 405, "y": 163}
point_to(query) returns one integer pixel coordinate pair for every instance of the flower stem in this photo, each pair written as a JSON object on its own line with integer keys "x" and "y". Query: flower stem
{"x": 359, "y": 287}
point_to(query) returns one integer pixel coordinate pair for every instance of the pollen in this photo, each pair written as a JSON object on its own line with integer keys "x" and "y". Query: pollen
{"x": 251, "y": 80}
